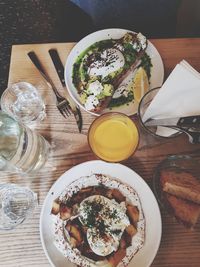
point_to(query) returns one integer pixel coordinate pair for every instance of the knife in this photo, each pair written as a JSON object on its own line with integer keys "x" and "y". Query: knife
{"x": 60, "y": 71}
{"x": 182, "y": 122}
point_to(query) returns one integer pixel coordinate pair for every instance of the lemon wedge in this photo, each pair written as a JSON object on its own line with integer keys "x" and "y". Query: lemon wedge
{"x": 140, "y": 84}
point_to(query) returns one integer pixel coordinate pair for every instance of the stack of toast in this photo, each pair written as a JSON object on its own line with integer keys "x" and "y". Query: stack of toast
{"x": 181, "y": 192}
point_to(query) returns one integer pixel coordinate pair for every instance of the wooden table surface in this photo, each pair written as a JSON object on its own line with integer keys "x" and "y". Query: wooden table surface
{"x": 22, "y": 247}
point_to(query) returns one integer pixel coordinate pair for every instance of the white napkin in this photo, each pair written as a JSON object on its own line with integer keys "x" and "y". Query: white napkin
{"x": 179, "y": 96}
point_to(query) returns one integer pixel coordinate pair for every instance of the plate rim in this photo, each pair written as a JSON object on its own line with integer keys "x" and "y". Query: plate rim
{"x": 93, "y": 163}
{"x": 87, "y": 37}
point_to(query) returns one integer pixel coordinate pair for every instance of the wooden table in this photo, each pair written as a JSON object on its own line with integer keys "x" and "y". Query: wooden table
{"x": 22, "y": 247}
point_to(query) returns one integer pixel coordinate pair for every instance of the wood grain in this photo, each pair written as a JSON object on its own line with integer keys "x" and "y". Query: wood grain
{"x": 22, "y": 247}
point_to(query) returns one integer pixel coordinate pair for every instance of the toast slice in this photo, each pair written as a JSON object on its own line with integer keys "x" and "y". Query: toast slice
{"x": 184, "y": 211}
{"x": 181, "y": 184}
{"x": 118, "y": 80}
{"x": 181, "y": 195}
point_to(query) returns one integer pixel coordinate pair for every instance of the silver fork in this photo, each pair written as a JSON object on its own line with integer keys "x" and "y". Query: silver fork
{"x": 61, "y": 103}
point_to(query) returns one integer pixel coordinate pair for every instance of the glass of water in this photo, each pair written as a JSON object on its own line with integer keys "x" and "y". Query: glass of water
{"x": 16, "y": 203}
{"x": 23, "y": 102}
{"x": 22, "y": 150}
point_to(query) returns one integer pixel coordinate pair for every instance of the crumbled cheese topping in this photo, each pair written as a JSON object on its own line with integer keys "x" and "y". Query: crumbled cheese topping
{"x": 140, "y": 43}
{"x": 91, "y": 102}
{"x": 95, "y": 88}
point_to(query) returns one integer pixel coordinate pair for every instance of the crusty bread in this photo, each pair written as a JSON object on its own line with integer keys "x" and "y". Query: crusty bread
{"x": 104, "y": 102}
{"x": 181, "y": 192}
{"x": 181, "y": 184}
{"x": 185, "y": 211}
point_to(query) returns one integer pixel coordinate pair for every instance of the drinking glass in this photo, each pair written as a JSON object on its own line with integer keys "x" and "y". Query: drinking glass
{"x": 22, "y": 150}
{"x": 113, "y": 137}
{"x": 143, "y": 105}
{"x": 16, "y": 203}
{"x": 23, "y": 102}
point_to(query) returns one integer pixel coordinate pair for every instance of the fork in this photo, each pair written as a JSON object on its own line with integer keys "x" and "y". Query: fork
{"x": 61, "y": 103}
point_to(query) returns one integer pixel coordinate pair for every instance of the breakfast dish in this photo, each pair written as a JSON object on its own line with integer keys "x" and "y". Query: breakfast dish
{"x": 100, "y": 224}
{"x": 123, "y": 175}
{"x": 179, "y": 192}
{"x": 99, "y": 71}
{"x": 111, "y": 70}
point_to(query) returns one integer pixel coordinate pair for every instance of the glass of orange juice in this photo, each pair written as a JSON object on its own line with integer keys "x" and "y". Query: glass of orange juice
{"x": 113, "y": 137}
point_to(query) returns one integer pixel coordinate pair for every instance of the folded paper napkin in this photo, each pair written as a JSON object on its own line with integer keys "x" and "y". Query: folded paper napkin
{"x": 179, "y": 96}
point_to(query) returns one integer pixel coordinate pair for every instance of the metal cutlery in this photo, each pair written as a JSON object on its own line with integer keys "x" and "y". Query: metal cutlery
{"x": 185, "y": 122}
{"x": 60, "y": 71}
{"x": 62, "y": 104}
{"x": 189, "y": 125}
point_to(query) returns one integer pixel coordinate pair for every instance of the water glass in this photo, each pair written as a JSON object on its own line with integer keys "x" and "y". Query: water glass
{"x": 22, "y": 150}
{"x": 16, "y": 203}
{"x": 23, "y": 102}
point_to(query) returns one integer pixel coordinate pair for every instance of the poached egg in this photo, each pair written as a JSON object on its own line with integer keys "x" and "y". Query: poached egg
{"x": 110, "y": 60}
{"x": 107, "y": 225}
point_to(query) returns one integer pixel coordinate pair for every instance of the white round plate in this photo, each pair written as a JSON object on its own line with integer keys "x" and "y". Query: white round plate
{"x": 150, "y": 208}
{"x": 157, "y": 71}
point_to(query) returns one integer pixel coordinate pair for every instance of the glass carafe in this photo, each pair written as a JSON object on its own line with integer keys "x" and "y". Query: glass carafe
{"x": 21, "y": 149}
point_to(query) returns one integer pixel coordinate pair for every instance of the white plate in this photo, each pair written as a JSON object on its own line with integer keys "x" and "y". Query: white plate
{"x": 149, "y": 205}
{"x": 157, "y": 71}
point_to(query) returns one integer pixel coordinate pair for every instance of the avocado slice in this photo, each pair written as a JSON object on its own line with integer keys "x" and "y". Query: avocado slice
{"x": 112, "y": 75}
{"x": 83, "y": 97}
{"x": 108, "y": 89}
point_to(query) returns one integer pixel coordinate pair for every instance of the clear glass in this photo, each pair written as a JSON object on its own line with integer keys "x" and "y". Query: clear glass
{"x": 21, "y": 149}
{"x": 143, "y": 105}
{"x": 16, "y": 203}
{"x": 113, "y": 137}
{"x": 23, "y": 102}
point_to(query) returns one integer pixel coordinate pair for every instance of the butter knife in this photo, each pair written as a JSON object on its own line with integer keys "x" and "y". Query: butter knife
{"x": 182, "y": 122}
{"x": 60, "y": 71}
{"x": 189, "y": 125}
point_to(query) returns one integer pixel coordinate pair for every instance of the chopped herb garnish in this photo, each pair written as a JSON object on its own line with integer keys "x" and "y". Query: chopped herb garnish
{"x": 116, "y": 231}
{"x": 115, "y": 102}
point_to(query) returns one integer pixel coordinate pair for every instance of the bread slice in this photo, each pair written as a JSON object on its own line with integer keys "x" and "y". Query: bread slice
{"x": 181, "y": 184}
{"x": 118, "y": 80}
{"x": 132, "y": 46}
{"x": 184, "y": 211}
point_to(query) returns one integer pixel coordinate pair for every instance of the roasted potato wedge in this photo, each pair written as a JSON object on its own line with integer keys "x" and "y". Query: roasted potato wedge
{"x": 108, "y": 193}
{"x": 76, "y": 233}
{"x": 133, "y": 213}
{"x": 117, "y": 195}
{"x": 131, "y": 230}
{"x": 73, "y": 242}
{"x": 117, "y": 257}
{"x": 65, "y": 212}
{"x": 68, "y": 226}
{"x": 55, "y": 208}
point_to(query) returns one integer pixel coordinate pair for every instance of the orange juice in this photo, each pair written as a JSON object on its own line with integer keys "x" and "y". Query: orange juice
{"x": 113, "y": 137}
